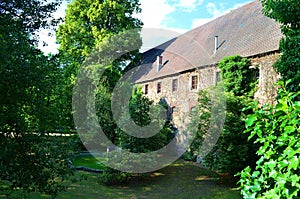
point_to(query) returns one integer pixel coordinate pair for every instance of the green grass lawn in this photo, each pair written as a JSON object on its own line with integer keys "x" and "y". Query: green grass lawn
{"x": 181, "y": 180}
{"x": 89, "y": 161}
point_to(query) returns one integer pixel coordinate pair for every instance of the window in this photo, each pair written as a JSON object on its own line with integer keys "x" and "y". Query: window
{"x": 194, "y": 82}
{"x": 217, "y": 77}
{"x": 174, "y": 85}
{"x": 146, "y": 91}
{"x": 159, "y": 87}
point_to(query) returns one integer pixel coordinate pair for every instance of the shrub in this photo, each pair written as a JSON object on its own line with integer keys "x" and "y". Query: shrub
{"x": 142, "y": 111}
{"x": 113, "y": 177}
{"x": 128, "y": 162}
{"x": 277, "y": 129}
{"x": 233, "y": 151}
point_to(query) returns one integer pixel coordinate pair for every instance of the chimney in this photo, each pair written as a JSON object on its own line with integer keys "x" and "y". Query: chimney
{"x": 159, "y": 63}
{"x": 216, "y": 44}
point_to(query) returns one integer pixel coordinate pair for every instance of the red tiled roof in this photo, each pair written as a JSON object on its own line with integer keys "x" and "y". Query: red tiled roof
{"x": 244, "y": 31}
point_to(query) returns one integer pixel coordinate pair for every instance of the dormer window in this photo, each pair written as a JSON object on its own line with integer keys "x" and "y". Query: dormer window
{"x": 159, "y": 62}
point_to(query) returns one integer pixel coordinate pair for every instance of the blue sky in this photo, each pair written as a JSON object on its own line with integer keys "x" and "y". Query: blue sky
{"x": 183, "y": 15}
{"x": 177, "y": 16}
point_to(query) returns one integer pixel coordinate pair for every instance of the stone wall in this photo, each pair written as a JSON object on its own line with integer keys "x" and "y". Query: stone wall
{"x": 184, "y": 99}
{"x": 267, "y": 91}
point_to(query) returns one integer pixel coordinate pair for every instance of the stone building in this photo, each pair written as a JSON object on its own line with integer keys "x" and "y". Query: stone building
{"x": 178, "y": 69}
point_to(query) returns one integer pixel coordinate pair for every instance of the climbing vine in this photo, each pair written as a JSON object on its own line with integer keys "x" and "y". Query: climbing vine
{"x": 237, "y": 75}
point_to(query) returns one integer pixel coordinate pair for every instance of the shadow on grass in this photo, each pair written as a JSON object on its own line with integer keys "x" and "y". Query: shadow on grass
{"x": 179, "y": 180}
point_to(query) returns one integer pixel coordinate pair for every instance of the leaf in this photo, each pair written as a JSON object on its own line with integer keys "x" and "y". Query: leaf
{"x": 295, "y": 179}
{"x": 250, "y": 120}
{"x": 271, "y": 164}
{"x": 289, "y": 129}
{"x": 273, "y": 174}
{"x": 294, "y": 163}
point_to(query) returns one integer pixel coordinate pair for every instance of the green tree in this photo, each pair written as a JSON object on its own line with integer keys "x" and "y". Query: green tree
{"x": 287, "y": 13}
{"x": 142, "y": 110}
{"x": 232, "y": 145}
{"x": 90, "y": 29}
{"x": 88, "y": 23}
{"x": 29, "y": 82}
{"x": 276, "y": 128}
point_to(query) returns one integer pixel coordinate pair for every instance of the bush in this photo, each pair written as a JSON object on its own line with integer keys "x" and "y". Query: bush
{"x": 113, "y": 177}
{"x": 142, "y": 111}
{"x": 128, "y": 162}
{"x": 233, "y": 151}
{"x": 278, "y": 133}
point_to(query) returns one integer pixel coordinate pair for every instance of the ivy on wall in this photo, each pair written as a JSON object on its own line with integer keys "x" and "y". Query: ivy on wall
{"x": 237, "y": 75}
{"x": 233, "y": 151}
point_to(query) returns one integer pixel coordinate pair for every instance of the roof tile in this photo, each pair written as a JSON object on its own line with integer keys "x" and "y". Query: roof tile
{"x": 244, "y": 31}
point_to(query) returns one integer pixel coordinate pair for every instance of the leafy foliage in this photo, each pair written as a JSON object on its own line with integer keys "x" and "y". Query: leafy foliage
{"x": 128, "y": 162}
{"x": 88, "y": 23}
{"x": 236, "y": 75}
{"x": 276, "y": 129}
{"x": 113, "y": 177}
{"x": 142, "y": 110}
{"x": 289, "y": 62}
{"x": 95, "y": 20}
{"x": 287, "y": 14}
{"x": 93, "y": 30}
{"x": 232, "y": 151}
{"x": 30, "y": 86}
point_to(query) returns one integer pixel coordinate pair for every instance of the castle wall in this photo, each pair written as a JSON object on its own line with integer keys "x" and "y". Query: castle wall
{"x": 184, "y": 99}
{"x": 267, "y": 91}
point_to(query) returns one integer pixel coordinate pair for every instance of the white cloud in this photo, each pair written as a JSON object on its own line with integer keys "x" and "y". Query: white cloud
{"x": 212, "y": 9}
{"x": 188, "y": 5}
{"x": 155, "y": 18}
{"x": 215, "y": 12}
{"x": 154, "y": 12}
